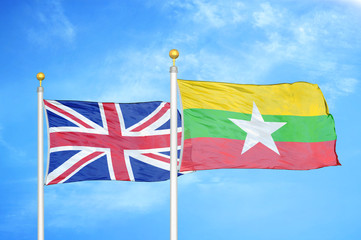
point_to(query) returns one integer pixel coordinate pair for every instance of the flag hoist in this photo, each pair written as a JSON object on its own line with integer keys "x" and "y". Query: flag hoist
{"x": 173, "y": 148}
{"x": 173, "y": 152}
{"x": 40, "y": 76}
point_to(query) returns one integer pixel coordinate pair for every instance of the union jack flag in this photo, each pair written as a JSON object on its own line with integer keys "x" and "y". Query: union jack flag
{"x": 108, "y": 141}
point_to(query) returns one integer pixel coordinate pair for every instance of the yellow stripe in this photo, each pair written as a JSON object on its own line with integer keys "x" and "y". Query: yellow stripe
{"x": 299, "y": 99}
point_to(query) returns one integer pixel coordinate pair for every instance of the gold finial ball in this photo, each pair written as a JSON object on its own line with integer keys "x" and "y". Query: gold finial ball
{"x": 40, "y": 76}
{"x": 173, "y": 53}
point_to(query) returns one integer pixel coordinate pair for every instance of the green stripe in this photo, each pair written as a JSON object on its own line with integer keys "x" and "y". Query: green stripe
{"x": 216, "y": 123}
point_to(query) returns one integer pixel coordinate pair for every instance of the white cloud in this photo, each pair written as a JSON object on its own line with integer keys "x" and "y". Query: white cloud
{"x": 268, "y": 16}
{"x": 122, "y": 75}
{"x": 336, "y": 88}
{"x": 208, "y": 66}
{"x": 245, "y": 197}
{"x": 75, "y": 205}
{"x": 19, "y": 219}
{"x": 17, "y": 213}
{"x": 306, "y": 41}
{"x": 348, "y": 85}
{"x": 14, "y": 151}
{"x": 352, "y": 2}
{"x": 188, "y": 180}
{"x": 283, "y": 37}
{"x": 214, "y": 14}
{"x": 135, "y": 76}
{"x": 52, "y": 24}
{"x": 218, "y": 15}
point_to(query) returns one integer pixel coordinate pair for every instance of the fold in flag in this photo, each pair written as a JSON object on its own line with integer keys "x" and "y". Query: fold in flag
{"x": 108, "y": 141}
{"x": 283, "y": 126}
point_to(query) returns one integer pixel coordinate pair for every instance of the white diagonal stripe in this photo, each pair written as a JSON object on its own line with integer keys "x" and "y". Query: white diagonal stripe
{"x": 69, "y": 163}
{"x": 148, "y": 117}
{"x": 74, "y": 113}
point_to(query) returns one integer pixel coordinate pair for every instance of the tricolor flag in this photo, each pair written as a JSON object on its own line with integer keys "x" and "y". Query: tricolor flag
{"x": 108, "y": 141}
{"x": 282, "y": 126}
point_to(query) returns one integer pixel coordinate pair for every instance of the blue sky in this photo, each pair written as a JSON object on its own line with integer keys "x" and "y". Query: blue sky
{"x": 118, "y": 51}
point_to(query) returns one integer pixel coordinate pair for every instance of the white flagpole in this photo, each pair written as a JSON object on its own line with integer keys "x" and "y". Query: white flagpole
{"x": 173, "y": 148}
{"x": 40, "y": 76}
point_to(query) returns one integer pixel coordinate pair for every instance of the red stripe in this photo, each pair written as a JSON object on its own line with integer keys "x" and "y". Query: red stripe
{"x": 52, "y": 106}
{"x": 115, "y": 132}
{"x": 157, "y": 157}
{"x": 74, "y": 167}
{"x": 162, "y": 111}
{"x": 216, "y": 153}
{"x": 61, "y": 139}
{"x": 114, "y": 140}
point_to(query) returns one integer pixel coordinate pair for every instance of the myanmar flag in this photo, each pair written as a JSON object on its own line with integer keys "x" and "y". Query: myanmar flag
{"x": 282, "y": 126}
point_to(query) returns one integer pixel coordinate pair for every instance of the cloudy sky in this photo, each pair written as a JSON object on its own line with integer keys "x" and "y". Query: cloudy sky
{"x": 118, "y": 51}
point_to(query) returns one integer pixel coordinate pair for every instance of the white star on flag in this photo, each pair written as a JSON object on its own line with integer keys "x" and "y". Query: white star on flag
{"x": 258, "y": 131}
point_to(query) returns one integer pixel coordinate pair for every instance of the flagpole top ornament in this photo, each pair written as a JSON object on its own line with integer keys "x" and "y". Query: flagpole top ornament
{"x": 173, "y": 54}
{"x": 40, "y": 76}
